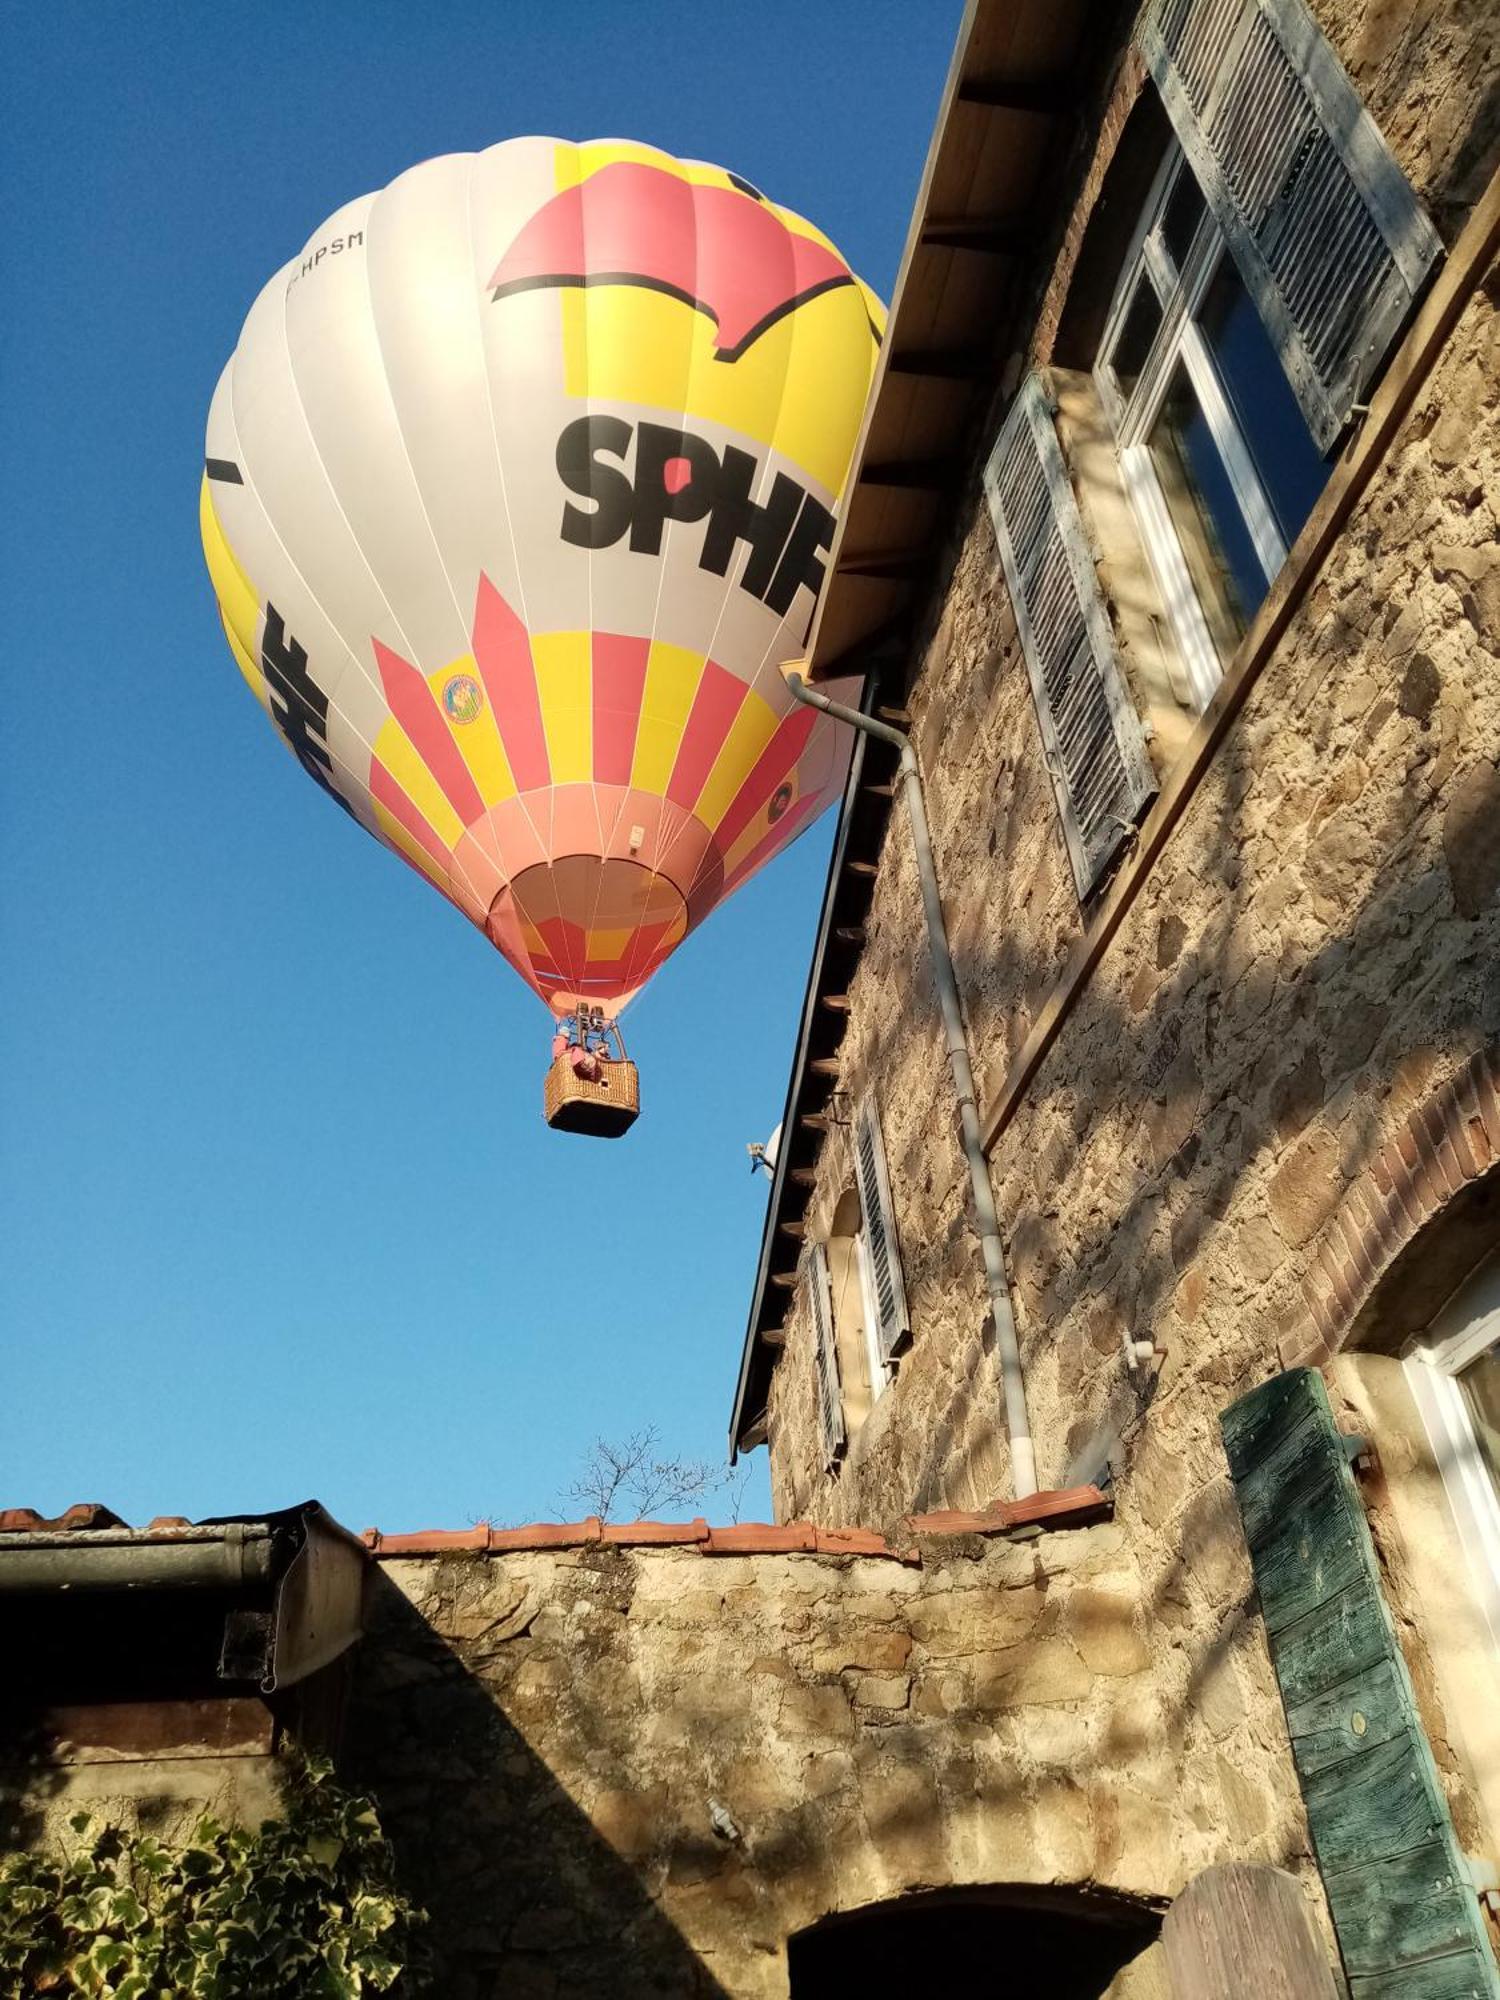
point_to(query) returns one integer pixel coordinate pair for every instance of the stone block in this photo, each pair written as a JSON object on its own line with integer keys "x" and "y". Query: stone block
{"x": 635, "y": 1823}
{"x": 875, "y": 1652}
{"x": 1102, "y": 1625}
{"x": 1305, "y": 1189}
{"x": 1043, "y": 1670}
{"x": 881, "y": 1691}
{"x": 952, "y": 1623}
{"x": 815, "y": 1711}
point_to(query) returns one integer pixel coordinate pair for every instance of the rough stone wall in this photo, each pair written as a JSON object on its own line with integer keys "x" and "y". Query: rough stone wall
{"x": 1306, "y": 960}
{"x": 1311, "y": 959}
{"x": 150, "y": 1766}
{"x": 551, "y": 1734}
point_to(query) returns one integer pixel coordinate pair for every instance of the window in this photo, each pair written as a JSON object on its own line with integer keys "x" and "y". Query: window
{"x": 1278, "y": 253}
{"x": 825, "y": 1358}
{"x": 880, "y": 1252}
{"x": 860, "y": 1371}
{"x": 1218, "y": 461}
{"x": 1454, "y": 1372}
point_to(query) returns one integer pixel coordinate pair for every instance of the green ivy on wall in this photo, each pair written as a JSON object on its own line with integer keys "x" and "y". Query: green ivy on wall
{"x": 304, "y": 1909}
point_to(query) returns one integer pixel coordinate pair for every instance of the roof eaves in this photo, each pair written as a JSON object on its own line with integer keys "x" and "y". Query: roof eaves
{"x": 1042, "y": 93}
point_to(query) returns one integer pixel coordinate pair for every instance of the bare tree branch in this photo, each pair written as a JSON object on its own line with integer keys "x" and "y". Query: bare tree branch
{"x": 634, "y": 1474}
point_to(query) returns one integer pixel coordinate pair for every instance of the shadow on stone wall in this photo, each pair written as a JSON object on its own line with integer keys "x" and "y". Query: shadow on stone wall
{"x": 527, "y": 1899}
{"x": 1313, "y": 952}
{"x": 29, "y": 1777}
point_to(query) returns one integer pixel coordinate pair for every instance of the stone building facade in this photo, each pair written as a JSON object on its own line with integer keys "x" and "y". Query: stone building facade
{"x": 1201, "y": 669}
{"x": 1239, "y": 1083}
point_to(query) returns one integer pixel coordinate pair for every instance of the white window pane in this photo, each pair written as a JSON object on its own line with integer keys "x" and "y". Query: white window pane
{"x": 1480, "y": 1383}
{"x": 1216, "y": 543}
{"x": 1267, "y": 414}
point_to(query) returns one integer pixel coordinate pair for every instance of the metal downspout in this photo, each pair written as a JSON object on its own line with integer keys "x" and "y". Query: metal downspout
{"x": 987, "y": 1223}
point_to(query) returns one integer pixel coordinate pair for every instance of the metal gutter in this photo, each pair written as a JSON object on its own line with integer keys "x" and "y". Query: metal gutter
{"x": 293, "y": 1581}
{"x": 227, "y": 1561}
{"x": 986, "y": 1222}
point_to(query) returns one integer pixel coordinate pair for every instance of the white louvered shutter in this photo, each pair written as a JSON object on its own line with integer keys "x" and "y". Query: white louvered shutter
{"x": 878, "y": 1216}
{"x": 830, "y": 1401}
{"x": 1324, "y": 227}
{"x": 1095, "y": 751}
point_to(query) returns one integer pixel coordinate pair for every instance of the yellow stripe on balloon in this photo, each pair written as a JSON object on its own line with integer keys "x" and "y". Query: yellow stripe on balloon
{"x": 239, "y": 606}
{"x": 478, "y": 741}
{"x": 395, "y": 750}
{"x": 749, "y": 733}
{"x": 672, "y": 677}
{"x": 629, "y": 344}
{"x": 609, "y": 947}
{"x": 255, "y": 680}
{"x": 400, "y": 839}
{"x": 564, "y": 680}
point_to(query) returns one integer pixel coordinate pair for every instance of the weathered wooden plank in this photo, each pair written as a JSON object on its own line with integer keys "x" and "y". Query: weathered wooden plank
{"x": 1312, "y": 1555}
{"x": 1266, "y": 1414}
{"x": 1239, "y": 1932}
{"x": 1341, "y": 1638}
{"x": 1449, "y": 1978}
{"x": 1356, "y": 1715}
{"x": 1403, "y": 1907}
{"x": 1407, "y": 1908}
{"x": 1286, "y": 1477}
{"x": 1382, "y": 1803}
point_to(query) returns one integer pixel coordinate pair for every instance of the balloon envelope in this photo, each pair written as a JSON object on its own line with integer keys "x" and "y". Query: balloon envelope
{"x": 518, "y": 491}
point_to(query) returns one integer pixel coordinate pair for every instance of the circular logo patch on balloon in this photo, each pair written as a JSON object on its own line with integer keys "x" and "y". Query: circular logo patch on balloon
{"x": 463, "y": 699}
{"x": 781, "y": 798}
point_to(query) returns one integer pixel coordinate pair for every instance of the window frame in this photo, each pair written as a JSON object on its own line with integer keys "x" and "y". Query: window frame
{"x": 1460, "y": 1334}
{"x": 879, "y": 1368}
{"x": 1178, "y": 342}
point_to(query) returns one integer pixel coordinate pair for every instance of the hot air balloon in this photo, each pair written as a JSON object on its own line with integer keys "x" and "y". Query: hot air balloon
{"x": 518, "y": 490}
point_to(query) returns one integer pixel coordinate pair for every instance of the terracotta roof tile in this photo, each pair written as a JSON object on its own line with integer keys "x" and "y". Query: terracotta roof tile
{"x": 957, "y": 1521}
{"x": 84, "y": 1514}
{"x": 762, "y": 1538}
{"x": 433, "y": 1542}
{"x": 1072, "y": 1507}
{"x": 549, "y": 1535}
{"x": 856, "y": 1542}
{"x": 656, "y": 1534}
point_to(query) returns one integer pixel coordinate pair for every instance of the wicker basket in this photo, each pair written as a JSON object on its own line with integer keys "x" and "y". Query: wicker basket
{"x": 603, "y": 1110}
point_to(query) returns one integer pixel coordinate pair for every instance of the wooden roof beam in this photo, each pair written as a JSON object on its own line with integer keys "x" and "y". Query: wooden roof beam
{"x": 1045, "y": 97}
{"x": 942, "y": 364}
{"x": 994, "y": 235}
{"x": 926, "y": 475}
{"x": 882, "y": 562}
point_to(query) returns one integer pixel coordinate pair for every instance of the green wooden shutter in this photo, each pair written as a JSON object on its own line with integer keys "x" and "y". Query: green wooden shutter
{"x": 1405, "y": 1911}
{"x": 825, "y": 1357}
{"x": 1091, "y": 735}
{"x": 1324, "y": 226}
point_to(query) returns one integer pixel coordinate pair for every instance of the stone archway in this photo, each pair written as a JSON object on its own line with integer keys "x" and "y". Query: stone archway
{"x": 1068, "y": 1944}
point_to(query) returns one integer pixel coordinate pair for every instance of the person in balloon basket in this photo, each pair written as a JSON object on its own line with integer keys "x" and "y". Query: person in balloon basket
{"x": 586, "y": 1049}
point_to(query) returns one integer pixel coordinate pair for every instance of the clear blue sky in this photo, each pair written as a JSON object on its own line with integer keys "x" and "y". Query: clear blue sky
{"x": 280, "y": 1214}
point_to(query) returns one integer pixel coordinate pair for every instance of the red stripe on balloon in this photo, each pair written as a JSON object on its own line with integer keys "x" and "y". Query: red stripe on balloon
{"x": 776, "y": 839}
{"x": 619, "y": 682}
{"x": 416, "y": 708}
{"x": 719, "y": 699}
{"x": 502, "y": 652}
{"x": 772, "y": 765}
{"x": 386, "y": 792}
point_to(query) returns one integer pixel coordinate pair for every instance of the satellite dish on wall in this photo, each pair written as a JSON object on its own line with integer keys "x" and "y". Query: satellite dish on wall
{"x": 765, "y": 1156}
